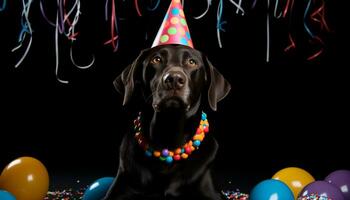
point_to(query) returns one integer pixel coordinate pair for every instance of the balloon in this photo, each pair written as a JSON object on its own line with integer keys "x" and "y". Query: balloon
{"x": 341, "y": 179}
{"x": 98, "y": 189}
{"x": 6, "y": 195}
{"x": 295, "y": 178}
{"x": 324, "y": 189}
{"x": 271, "y": 189}
{"x": 26, "y": 178}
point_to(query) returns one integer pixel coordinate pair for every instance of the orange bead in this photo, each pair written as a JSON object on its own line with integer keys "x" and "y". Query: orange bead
{"x": 171, "y": 153}
{"x": 156, "y": 153}
{"x": 190, "y": 143}
{"x": 199, "y": 137}
{"x": 178, "y": 151}
{"x": 192, "y": 148}
{"x": 184, "y": 156}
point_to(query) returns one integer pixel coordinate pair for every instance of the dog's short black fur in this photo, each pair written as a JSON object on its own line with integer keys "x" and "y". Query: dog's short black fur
{"x": 171, "y": 84}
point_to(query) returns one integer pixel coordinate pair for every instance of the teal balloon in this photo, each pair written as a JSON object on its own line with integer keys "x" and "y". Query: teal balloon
{"x": 98, "y": 189}
{"x": 4, "y": 195}
{"x": 271, "y": 189}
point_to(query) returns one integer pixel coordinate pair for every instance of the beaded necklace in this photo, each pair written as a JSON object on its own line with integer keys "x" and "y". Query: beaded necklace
{"x": 180, "y": 153}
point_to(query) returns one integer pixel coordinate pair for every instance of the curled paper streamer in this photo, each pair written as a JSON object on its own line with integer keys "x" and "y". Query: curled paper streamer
{"x": 156, "y": 5}
{"x": 268, "y": 32}
{"x": 219, "y": 23}
{"x": 26, "y": 30}
{"x": 318, "y": 18}
{"x": 3, "y": 5}
{"x": 275, "y": 10}
{"x": 114, "y": 41}
{"x": 238, "y": 6}
{"x": 289, "y": 5}
{"x": 65, "y": 24}
{"x": 136, "y": 2}
{"x": 306, "y": 27}
{"x": 206, "y": 10}
{"x": 291, "y": 45}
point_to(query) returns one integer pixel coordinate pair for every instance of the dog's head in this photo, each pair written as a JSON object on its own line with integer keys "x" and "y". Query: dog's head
{"x": 172, "y": 77}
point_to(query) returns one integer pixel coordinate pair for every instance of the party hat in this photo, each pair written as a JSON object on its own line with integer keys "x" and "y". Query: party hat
{"x": 174, "y": 29}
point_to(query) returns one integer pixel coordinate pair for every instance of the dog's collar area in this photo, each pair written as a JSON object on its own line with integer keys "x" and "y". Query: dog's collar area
{"x": 180, "y": 153}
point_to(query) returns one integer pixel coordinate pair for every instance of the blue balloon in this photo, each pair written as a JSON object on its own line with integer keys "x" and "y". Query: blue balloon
{"x": 271, "y": 189}
{"x": 98, "y": 189}
{"x": 4, "y": 195}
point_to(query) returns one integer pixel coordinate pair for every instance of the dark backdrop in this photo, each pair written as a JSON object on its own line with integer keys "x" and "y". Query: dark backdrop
{"x": 288, "y": 112}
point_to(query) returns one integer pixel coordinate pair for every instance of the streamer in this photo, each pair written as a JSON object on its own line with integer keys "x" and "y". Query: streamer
{"x": 26, "y": 30}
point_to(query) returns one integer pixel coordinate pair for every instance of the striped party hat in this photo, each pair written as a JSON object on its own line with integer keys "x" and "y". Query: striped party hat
{"x": 174, "y": 29}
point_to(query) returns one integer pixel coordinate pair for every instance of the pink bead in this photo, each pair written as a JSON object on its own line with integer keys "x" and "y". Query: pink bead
{"x": 177, "y": 157}
{"x": 206, "y": 129}
{"x": 188, "y": 150}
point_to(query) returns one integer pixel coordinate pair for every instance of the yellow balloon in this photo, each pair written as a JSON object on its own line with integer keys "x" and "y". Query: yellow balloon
{"x": 295, "y": 178}
{"x": 26, "y": 178}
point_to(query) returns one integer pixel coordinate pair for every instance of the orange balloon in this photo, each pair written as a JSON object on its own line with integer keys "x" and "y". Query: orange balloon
{"x": 26, "y": 178}
{"x": 295, "y": 178}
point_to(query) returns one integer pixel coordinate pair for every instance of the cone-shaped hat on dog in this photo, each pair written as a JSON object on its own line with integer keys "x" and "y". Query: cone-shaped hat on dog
{"x": 174, "y": 29}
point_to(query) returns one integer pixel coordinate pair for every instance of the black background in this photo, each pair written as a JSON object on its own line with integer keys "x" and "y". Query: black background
{"x": 288, "y": 112}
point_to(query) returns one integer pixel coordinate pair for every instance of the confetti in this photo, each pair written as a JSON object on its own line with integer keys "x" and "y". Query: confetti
{"x": 314, "y": 197}
{"x": 234, "y": 195}
{"x": 68, "y": 194}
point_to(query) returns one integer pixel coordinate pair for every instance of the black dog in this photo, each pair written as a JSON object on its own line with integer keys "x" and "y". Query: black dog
{"x": 171, "y": 84}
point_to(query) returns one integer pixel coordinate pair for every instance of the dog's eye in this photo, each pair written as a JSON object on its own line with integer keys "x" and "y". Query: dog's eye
{"x": 191, "y": 62}
{"x": 156, "y": 60}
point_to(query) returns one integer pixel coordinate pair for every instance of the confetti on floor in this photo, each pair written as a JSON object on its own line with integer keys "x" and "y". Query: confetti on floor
{"x": 68, "y": 194}
{"x": 314, "y": 197}
{"x": 234, "y": 195}
{"x": 71, "y": 194}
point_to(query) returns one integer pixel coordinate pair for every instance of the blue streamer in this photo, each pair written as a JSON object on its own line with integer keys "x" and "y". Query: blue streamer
{"x": 305, "y": 15}
{"x": 3, "y": 6}
{"x": 275, "y": 10}
{"x": 219, "y": 24}
{"x": 26, "y": 30}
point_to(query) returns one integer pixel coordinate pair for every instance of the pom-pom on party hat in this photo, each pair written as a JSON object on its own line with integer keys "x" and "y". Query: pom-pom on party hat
{"x": 174, "y": 29}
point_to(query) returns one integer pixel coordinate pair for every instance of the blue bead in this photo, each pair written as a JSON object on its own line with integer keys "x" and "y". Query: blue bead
{"x": 196, "y": 143}
{"x": 169, "y": 159}
{"x": 182, "y": 150}
{"x": 148, "y": 153}
{"x": 204, "y": 116}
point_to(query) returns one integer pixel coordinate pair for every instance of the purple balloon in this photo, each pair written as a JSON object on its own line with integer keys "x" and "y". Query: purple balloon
{"x": 322, "y": 188}
{"x": 341, "y": 179}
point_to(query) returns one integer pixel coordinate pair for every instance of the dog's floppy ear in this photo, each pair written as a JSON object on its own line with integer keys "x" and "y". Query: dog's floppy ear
{"x": 125, "y": 82}
{"x": 218, "y": 85}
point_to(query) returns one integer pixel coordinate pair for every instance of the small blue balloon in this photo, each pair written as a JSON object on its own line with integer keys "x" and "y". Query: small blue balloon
{"x": 169, "y": 159}
{"x": 4, "y": 195}
{"x": 98, "y": 189}
{"x": 271, "y": 189}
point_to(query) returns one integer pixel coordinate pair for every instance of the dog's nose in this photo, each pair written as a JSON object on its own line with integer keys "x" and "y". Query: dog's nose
{"x": 174, "y": 80}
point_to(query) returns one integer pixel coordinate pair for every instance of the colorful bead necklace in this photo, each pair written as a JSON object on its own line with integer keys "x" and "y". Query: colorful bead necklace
{"x": 180, "y": 153}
